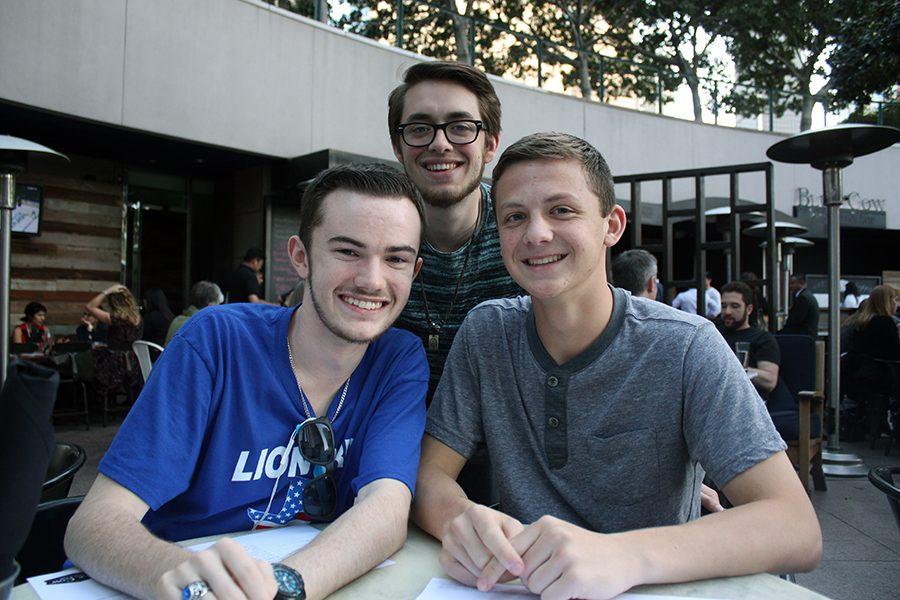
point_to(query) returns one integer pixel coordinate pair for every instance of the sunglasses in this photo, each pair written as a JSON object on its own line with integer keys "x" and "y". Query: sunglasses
{"x": 315, "y": 441}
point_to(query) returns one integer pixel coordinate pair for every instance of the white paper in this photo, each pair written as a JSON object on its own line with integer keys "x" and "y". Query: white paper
{"x": 447, "y": 589}
{"x": 270, "y": 545}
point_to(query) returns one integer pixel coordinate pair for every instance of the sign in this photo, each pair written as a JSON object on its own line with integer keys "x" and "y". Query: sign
{"x": 283, "y": 222}
{"x": 815, "y": 218}
{"x": 853, "y": 200}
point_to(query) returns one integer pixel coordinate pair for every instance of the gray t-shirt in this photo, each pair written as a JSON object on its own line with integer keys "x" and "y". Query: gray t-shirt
{"x": 613, "y": 439}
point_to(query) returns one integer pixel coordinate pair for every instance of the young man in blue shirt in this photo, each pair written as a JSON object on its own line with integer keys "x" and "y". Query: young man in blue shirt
{"x": 597, "y": 409}
{"x": 257, "y": 415}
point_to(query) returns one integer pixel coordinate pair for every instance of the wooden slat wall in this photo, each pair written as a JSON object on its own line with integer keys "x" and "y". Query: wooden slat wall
{"x": 77, "y": 254}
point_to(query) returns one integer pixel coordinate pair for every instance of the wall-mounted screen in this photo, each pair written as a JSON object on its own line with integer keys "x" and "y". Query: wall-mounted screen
{"x": 26, "y": 216}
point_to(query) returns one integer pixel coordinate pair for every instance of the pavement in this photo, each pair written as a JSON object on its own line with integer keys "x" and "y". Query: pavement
{"x": 861, "y": 557}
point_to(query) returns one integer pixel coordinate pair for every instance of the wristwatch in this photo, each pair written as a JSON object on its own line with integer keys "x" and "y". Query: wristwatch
{"x": 290, "y": 583}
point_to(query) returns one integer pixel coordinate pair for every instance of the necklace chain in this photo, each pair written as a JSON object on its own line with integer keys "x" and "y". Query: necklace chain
{"x": 304, "y": 401}
{"x": 436, "y": 326}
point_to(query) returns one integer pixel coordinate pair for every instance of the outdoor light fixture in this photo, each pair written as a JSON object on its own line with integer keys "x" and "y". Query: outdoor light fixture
{"x": 14, "y": 155}
{"x": 830, "y": 150}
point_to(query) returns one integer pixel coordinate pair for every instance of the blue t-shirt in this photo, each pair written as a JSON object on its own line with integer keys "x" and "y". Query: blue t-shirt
{"x": 205, "y": 442}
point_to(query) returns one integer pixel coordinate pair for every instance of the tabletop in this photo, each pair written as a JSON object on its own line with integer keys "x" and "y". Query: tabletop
{"x": 417, "y": 562}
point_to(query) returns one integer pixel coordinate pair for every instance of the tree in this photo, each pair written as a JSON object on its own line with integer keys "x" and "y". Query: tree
{"x": 675, "y": 37}
{"x": 782, "y": 45}
{"x": 866, "y": 60}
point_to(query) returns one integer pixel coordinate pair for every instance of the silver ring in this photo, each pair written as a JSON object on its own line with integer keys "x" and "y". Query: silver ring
{"x": 195, "y": 590}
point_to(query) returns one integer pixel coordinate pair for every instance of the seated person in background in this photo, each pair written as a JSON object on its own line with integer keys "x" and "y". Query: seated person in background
{"x": 687, "y": 300}
{"x": 597, "y": 410}
{"x": 764, "y": 356}
{"x": 803, "y": 316}
{"x": 33, "y": 329}
{"x": 851, "y": 296}
{"x": 91, "y": 329}
{"x": 203, "y": 294}
{"x": 758, "y": 318}
{"x": 329, "y": 383}
{"x": 636, "y": 271}
{"x": 157, "y": 316}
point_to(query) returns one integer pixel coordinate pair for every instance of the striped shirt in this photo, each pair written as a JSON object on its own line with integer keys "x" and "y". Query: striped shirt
{"x": 485, "y": 278}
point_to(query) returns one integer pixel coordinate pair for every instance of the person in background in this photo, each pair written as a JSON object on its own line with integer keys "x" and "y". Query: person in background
{"x": 245, "y": 281}
{"x": 803, "y": 316}
{"x": 115, "y": 367}
{"x": 687, "y": 300}
{"x": 294, "y": 296}
{"x": 764, "y": 357}
{"x": 636, "y": 271}
{"x": 851, "y": 296}
{"x": 91, "y": 329}
{"x": 203, "y": 294}
{"x": 157, "y": 316}
{"x": 33, "y": 329}
{"x": 758, "y": 317}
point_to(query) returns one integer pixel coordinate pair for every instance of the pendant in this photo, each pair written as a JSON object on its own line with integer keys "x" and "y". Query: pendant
{"x": 433, "y": 341}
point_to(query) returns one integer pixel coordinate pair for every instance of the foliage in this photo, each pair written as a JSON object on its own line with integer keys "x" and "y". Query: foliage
{"x": 867, "y": 60}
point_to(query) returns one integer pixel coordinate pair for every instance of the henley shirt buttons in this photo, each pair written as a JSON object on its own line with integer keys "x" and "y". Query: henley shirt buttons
{"x": 552, "y": 381}
{"x": 553, "y": 422}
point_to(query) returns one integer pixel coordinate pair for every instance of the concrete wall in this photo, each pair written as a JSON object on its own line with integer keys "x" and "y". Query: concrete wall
{"x": 241, "y": 74}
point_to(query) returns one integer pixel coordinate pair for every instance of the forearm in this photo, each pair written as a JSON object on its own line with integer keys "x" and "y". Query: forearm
{"x": 363, "y": 537}
{"x": 117, "y": 550}
{"x": 439, "y": 500}
{"x": 763, "y": 381}
{"x": 776, "y": 535}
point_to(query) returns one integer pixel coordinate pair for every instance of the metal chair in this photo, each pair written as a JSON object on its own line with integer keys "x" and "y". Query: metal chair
{"x": 68, "y": 375}
{"x": 883, "y": 479}
{"x": 67, "y": 459}
{"x": 142, "y": 350}
{"x": 43, "y": 549}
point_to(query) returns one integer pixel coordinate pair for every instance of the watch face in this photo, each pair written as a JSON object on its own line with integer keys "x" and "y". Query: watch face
{"x": 290, "y": 584}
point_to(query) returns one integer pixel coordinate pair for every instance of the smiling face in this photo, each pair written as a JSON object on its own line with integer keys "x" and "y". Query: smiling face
{"x": 361, "y": 263}
{"x": 735, "y": 312}
{"x": 444, "y": 173}
{"x": 553, "y": 237}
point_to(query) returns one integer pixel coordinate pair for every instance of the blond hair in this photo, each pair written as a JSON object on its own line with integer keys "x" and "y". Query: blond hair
{"x": 123, "y": 306}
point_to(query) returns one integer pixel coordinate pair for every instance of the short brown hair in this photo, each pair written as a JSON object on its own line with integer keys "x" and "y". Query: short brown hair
{"x": 739, "y": 287}
{"x": 465, "y": 75}
{"x": 561, "y": 146}
{"x": 378, "y": 180}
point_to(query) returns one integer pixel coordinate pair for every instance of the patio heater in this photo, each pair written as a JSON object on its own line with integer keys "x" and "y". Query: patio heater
{"x": 787, "y": 245}
{"x": 830, "y": 150}
{"x": 783, "y": 230}
{"x": 14, "y": 154}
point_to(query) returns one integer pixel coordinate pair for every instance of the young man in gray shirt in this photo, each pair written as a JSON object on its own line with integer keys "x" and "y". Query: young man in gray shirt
{"x": 597, "y": 409}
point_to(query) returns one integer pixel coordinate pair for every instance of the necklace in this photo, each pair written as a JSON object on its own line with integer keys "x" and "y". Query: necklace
{"x": 304, "y": 401}
{"x": 435, "y": 327}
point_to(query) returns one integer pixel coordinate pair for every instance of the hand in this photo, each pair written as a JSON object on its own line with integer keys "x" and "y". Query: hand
{"x": 709, "y": 499}
{"x": 118, "y": 287}
{"x": 228, "y": 570}
{"x": 476, "y": 537}
{"x": 565, "y": 561}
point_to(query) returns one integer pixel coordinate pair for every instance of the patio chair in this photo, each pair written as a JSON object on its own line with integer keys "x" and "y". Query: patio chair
{"x": 883, "y": 479}
{"x": 142, "y": 350}
{"x": 802, "y": 372}
{"x": 66, "y": 460}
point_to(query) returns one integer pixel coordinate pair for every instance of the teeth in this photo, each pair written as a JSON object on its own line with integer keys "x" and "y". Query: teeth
{"x": 441, "y": 167}
{"x": 363, "y": 304}
{"x": 545, "y": 261}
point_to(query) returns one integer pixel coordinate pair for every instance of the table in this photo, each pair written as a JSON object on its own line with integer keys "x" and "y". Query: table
{"x": 417, "y": 563}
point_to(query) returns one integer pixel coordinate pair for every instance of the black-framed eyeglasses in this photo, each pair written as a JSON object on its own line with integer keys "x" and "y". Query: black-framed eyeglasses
{"x": 316, "y": 444}
{"x": 419, "y": 135}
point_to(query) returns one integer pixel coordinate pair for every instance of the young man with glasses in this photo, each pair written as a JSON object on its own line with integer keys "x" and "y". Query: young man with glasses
{"x": 257, "y": 415}
{"x": 444, "y": 124}
{"x": 598, "y": 471}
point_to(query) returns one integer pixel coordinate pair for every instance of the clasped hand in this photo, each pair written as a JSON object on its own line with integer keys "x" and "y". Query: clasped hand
{"x": 553, "y": 558}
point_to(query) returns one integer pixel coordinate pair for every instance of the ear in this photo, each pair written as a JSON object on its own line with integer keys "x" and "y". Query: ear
{"x": 298, "y": 256}
{"x": 750, "y": 309}
{"x": 398, "y": 151}
{"x": 651, "y": 287}
{"x": 615, "y": 226}
{"x": 491, "y": 143}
